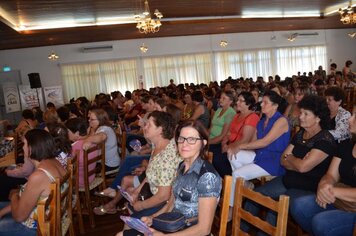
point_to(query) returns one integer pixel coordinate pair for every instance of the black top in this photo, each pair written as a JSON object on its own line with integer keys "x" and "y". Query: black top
{"x": 323, "y": 141}
{"x": 347, "y": 167}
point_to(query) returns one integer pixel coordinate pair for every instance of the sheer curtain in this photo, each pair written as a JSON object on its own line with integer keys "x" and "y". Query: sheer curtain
{"x": 304, "y": 59}
{"x": 243, "y": 63}
{"x": 265, "y": 62}
{"x": 195, "y": 68}
{"x": 90, "y": 79}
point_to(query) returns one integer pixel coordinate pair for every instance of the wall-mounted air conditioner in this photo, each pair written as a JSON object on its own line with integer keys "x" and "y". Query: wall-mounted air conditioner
{"x": 104, "y": 48}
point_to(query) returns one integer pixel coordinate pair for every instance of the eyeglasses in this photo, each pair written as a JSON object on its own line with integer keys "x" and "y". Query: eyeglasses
{"x": 190, "y": 140}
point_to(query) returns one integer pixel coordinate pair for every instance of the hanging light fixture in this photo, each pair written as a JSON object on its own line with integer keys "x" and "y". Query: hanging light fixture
{"x": 292, "y": 37}
{"x": 348, "y": 15}
{"x": 352, "y": 34}
{"x": 143, "y": 48}
{"x": 53, "y": 56}
{"x": 223, "y": 43}
{"x": 146, "y": 24}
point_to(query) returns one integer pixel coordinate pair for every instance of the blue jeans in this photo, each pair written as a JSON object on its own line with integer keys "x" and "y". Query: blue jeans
{"x": 9, "y": 227}
{"x": 319, "y": 221}
{"x": 273, "y": 189}
{"x": 127, "y": 166}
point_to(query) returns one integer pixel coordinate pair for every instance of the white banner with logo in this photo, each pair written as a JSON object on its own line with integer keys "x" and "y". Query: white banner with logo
{"x": 28, "y": 96}
{"x": 54, "y": 94}
{"x": 11, "y": 97}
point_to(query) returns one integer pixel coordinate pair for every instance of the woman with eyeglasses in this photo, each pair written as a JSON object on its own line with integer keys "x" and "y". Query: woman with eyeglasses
{"x": 197, "y": 186}
{"x": 101, "y": 131}
{"x": 160, "y": 172}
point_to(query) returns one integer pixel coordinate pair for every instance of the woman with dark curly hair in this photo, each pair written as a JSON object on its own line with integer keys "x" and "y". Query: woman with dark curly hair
{"x": 332, "y": 210}
{"x": 306, "y": 159}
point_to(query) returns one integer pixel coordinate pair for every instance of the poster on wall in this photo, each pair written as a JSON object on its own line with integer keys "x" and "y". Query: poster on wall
{"x": 11, "y": 97}
{"x": 54, "y": 94}
{"x": 29, "y": 97}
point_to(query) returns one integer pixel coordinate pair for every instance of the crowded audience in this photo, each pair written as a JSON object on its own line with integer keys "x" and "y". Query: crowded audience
{"x": 298, "y": 130}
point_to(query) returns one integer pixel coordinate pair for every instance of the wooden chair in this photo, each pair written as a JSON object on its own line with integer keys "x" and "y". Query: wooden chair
{"x": 46, "y": 215}
{"x": 221, "y": 220}
{"x": 55, "y": 212}
{"x": 18, "y": 146}
{"x": 350, "y": 98}
{"x": 63, "y": 195}
{"x": 210, "y": 157}
{"x": 280, "y": 207}
{"x": 73, "y": 163}
{"x": 97, "y": 153}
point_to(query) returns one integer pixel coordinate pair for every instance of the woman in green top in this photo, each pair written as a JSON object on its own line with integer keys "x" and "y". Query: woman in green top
{"x": 220, "y": 125}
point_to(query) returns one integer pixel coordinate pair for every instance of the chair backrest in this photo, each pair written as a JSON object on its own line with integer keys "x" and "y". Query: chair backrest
{"x": 210, "y": 156}
{"x": 96, "y": 154}
{"x": 280, "y": 207}
{"x": 73, "y": 164}
{"x": 54, "y": 214}
{"x": 121, "y": 137}
{"x": 224, "y": 205}
{"x": 18, "y": 146}
{"x": 46, "y": 215}
{"x": 63, "y": 194}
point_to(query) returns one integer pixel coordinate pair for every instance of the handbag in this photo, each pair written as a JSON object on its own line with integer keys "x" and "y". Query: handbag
{"x": 145, "y": 192}
{"x": 343, "y": 204}
{"x": 171, "y": 222}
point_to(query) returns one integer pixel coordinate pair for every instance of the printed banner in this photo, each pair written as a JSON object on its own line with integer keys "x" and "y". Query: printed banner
{"x": 11, "y": 97}
{"x": 54, "y": 94}
{"x": 28, "y": 96}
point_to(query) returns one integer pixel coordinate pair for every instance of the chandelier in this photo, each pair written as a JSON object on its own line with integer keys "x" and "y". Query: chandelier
{"x": 348, "y": 15}
{"x": 53, "y": 56}
{"x": 145, "y": 24}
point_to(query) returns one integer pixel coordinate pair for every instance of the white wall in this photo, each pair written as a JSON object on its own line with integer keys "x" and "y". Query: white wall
{"x": 340, "y": 47}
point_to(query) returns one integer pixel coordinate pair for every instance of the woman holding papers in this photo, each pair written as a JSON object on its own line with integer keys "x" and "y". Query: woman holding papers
{"x": 197, "y": 187}
{"x": 160, "y": 172}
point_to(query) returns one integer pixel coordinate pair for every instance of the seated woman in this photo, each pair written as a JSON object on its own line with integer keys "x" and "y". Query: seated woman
{"x": 201, "y": 112}
{"x": 27, "y": 123}
{"x": 220, "y": 125}
{"x": 19, "y": 175}
{"x": 77, "y": 133}
{"x": 306, "y": 159}
{"x": 335, "y": 97}
{"x": 323, "y": 213}
{"x": 293, "y": 112}
{"x": 261, "y": 156}
{"x": 160, "y": 172}
{"x": 101, "y": 131}
{"x": 197, "y": 187}
{"x": 40, "y": 148}
{"x": 242, "y": 130}
{"x": 188, "y": 108}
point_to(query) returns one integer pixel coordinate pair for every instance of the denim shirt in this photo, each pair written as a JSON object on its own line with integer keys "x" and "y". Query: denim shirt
{"x": 201, "y": 180}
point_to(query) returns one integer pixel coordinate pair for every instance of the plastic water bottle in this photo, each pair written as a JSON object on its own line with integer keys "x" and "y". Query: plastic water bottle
{"x": 135, "y": 145}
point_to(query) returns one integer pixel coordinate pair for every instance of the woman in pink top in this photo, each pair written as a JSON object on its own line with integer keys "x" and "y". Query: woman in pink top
{"x": 77, "y": 132}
